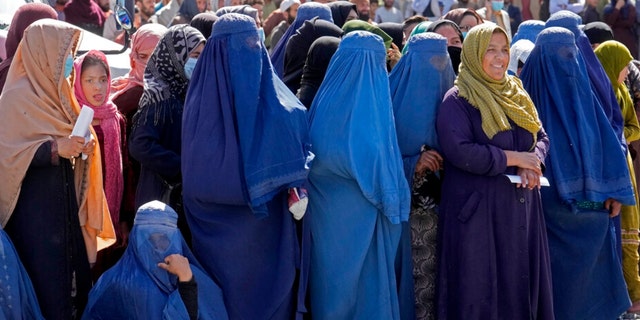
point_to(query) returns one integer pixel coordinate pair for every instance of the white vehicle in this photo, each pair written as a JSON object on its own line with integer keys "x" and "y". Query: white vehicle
{"x": 118, "y": 62}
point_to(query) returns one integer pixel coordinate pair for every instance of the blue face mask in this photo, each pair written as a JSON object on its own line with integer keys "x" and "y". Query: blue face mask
{"x": 497, "y": 5}
{"x": 68, "y": 66}
{"x": 261, "y": 34}
{"x": 464, "y": 34}
{"x": 189, "y": 66}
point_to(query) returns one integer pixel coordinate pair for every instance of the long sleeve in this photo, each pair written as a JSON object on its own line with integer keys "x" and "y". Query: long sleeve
{"x": 631, "y": 125}
{"x": 46, "y": 155}
{"x": 461, "y": 144}
{"x": 189, "y": 294}
{"x": 156, "y": 145}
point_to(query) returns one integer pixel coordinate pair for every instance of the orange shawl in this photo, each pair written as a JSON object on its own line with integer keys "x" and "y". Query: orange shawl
{"x": 38, "y": 105}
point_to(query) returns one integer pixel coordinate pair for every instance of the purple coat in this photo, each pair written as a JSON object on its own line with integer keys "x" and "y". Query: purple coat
{"x": 494, "y": 258}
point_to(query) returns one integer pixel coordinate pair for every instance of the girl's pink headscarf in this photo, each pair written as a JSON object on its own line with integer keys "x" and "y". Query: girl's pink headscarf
{"x": 143, "y": 40}
{"x": 110, "y": 120}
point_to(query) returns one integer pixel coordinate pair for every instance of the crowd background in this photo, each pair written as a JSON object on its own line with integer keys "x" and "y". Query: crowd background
{"x": 287, "y": 159}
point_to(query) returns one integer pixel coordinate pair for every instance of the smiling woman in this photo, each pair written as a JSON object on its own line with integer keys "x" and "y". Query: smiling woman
{"x": 488, "y": 127}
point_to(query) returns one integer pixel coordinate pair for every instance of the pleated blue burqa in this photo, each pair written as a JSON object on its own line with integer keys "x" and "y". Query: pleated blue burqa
{"x": 585, "y": 167}
{"x": 418, "y": 82}
{"x": 357, "y": 191}
{"x": 245, "y": 141}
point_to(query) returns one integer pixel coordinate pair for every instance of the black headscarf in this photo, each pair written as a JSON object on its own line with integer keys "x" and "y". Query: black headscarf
{"x": 204, "y": 23}
{"x": 298, "y": 47}
{"x": 340, "y": 11}
{"x": 395, "y": 31}
{"x": 598, "y": 32}
{"x": 315, "y": 68}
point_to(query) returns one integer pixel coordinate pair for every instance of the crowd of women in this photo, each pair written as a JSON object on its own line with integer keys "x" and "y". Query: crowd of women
{"x": 347, "y": 175}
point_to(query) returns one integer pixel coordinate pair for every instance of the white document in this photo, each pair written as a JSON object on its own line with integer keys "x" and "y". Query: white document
{"x": 81, "y": 128}
{"x": 516, "y": 179}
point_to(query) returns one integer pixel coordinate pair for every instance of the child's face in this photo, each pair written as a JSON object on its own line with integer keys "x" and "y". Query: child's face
{"x": 94, "y": 84}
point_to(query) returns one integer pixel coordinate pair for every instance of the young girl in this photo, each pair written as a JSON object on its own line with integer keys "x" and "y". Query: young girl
{"x": 92, "y": 88}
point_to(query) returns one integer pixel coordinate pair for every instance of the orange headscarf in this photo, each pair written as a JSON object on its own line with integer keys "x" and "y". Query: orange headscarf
{"x": 37, "y": 105}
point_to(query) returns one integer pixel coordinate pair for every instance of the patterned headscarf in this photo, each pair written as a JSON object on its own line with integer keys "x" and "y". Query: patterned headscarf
{"x": 498, "y": 100}
{"x": 164, "y": 76}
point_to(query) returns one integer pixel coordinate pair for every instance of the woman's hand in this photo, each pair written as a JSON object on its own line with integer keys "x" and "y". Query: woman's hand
{"x": 614, "y": 207}
{"x": 179, "y": 265}
{"x": 530, "y": 179}
{"x": 69, "y": 147}
{"x": 429, "y": 160}
{"x": 393, "y": 55}
{"x": 89, "y": 147}
{"x": 524, "y": 160}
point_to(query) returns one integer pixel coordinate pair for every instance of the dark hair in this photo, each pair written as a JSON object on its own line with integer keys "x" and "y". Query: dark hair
{"x": 252, "y": 2}
{"x": 411, "y": 20}
{"x": 92, "y": 60}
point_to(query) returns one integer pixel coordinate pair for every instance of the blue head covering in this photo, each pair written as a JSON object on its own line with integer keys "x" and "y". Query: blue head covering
{"x": 600, "y": 84}
{"x": 306, "y": 11}
{"x": 242, "y": 9}
{"x": 418, "y": 82}
{"x": 352, "y": 123}
{"x": 529, "y": 30}
{"x": 141, "y": 289}
{"x": 17, "y": 297}
{"x": 244, "y": 134}
{"x": 189, "y": 9}
{"x": 584, "y": 162}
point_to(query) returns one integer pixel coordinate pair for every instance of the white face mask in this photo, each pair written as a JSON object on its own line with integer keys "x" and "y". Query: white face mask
{"x": 189, "y": 66}
{"x": 261, "y": 34}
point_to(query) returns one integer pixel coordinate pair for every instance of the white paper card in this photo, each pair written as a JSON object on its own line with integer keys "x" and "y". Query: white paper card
{"x": 516, "y": 179}
{"x": 81, "y": 128}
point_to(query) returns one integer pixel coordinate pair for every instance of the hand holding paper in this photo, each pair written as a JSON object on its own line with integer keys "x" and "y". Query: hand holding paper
{"x": 516, "y": 179}
{"x": 81, "y": 128}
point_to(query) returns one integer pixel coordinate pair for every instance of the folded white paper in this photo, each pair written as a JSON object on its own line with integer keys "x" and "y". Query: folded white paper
{"x": 81, "y": 128}
{"x": 516, "y": 179}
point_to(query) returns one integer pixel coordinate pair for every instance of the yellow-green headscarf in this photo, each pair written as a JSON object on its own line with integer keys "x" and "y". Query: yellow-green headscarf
{"x": 497, "y": 100}
{"x": 614, "y": 56}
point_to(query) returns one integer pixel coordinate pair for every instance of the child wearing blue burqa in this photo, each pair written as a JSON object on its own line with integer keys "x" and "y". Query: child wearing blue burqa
{"x": 244, "y": 143}
{"x": 151, "y": 280}
{"x": 589, "y": 179}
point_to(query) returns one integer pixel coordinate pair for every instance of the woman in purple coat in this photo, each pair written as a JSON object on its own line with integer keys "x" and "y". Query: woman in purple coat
{"x": 494, "y": 261}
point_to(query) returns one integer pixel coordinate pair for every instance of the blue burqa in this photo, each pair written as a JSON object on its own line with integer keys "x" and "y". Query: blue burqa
{"x": 136, "y": 288}
{"x": 17, "y": 298}
{"x": 306, "y": 11}
{"x": 600, "y": 84}
{"x": 357, "y": 191}
{"x": 585, "y": 167}
{"x": 417, "y": 82}
{"x": 529, "y": 30}
{"x": 244, "y": 142}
